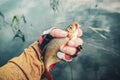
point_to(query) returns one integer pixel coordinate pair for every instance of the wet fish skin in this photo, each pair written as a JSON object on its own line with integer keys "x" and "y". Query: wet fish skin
{"x": 51, "y": 56}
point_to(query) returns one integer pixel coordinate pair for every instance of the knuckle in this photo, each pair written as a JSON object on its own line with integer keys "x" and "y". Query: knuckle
{"x": 70, "y": 51}
{"x": 78, "y": 42}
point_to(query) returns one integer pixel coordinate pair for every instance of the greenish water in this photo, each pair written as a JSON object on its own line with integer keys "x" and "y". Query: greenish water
{"x": 99, "y": 21}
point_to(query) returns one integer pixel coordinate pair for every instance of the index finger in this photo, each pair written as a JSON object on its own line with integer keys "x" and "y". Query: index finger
{"x": 58, "y": 33}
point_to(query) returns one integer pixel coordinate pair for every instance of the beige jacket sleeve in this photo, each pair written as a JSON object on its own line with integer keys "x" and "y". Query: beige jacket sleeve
{"x": 27, "y": 66}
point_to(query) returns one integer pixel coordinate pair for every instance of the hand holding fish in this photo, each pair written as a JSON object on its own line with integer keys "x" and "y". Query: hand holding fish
{"x": 39, "y": 58}
{"x": 72, "y": 44}
{"x": 64, "y": 45}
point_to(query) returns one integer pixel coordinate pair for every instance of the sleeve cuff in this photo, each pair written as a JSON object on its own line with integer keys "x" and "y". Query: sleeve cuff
{"x": 37, "y": 50}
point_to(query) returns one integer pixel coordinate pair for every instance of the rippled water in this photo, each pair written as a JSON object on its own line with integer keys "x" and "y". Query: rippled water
{"x": 99, "y": 20}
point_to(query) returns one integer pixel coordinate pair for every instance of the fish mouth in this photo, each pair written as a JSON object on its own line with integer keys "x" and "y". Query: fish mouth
{"x": 76, "y": 25}
{"x": 76, "y": 30}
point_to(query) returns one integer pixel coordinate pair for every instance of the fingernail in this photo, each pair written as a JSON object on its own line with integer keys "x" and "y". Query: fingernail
{"x": 63, "y": 32}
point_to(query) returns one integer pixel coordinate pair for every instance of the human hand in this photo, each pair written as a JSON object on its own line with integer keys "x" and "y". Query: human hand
{"x": 71, "y": 48}
{"x": 68, "y": 51}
